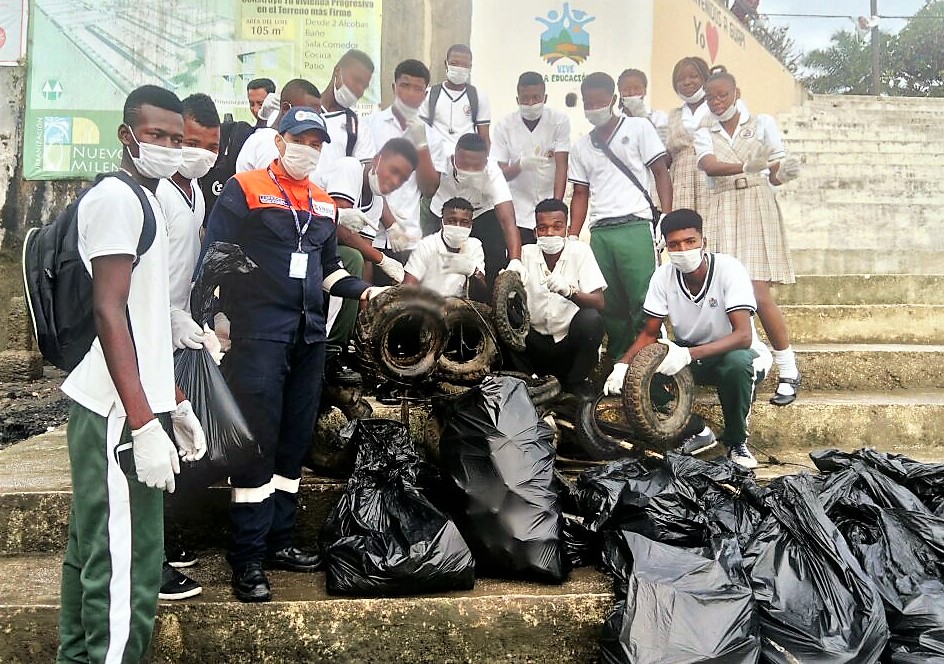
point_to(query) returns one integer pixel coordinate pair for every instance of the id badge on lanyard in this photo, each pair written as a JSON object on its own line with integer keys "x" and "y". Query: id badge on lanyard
{"x": 298, "y": 265}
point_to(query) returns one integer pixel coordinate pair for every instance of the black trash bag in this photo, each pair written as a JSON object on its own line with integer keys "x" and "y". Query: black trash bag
{"x": 816, "y": 604}
{"x": 230, "y": 444}
{"x": 582, "y": 546}
{"x": 862, "y": 484}
{"x": 221, "y": 261}
{"x": 680, "y": 606}
{"x": 498, "y": 456}
{"x": 383, "y": 537}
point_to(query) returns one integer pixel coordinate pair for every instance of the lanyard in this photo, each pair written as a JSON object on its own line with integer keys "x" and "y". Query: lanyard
{"x": 311, "y": 209}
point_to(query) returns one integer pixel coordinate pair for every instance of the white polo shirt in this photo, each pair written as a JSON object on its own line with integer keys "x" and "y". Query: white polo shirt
{"x": 453, "y": 115}
{"x": 426, "y": 264}
{"x": 766, "y": 132}
{"x": 493, "y": 189}
{"x": 404, "y": 203}
{"x": 184, "y": 219}
{"x": 110, "y": 219}
{"x": 336, "y": 122}
{"x": 512, "y": 140}
{"x": 346, "y": 181}
{"x": 258, "y": 151}
{"x": 637, "y": 144}
{"x": 551, "y": 313}
{"x": 700, "y": 318}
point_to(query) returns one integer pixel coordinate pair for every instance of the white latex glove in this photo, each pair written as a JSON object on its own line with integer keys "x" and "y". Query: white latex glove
{"x": 155, "y": 457}
{"x": 188, "y": 432}
{"x": 675, "y": 360}
{"x": 392, "y": 268}
{"x": 659, "y": 237}
{"x": 270, "y": 107}
{"x": 416, "y": 134}
{"x": 573, "y": 238}
{"x": 373, "y": 291}
{"x": 614, "y": 382}
{"x": 353, "y": 219}
{"x": 459, "y": 264}
{"x": 515, "y": 265}
{"x": 185, "y": 331}
{"x": 756, "y": 160}
{"x": 663, "y": 131}
{"x": 789, "y": 169}
{"x": 560, "y": 285}
{"x": 399, "y": 238}
{"x": 533, "y": 164}
{"x": 212, "y": 343}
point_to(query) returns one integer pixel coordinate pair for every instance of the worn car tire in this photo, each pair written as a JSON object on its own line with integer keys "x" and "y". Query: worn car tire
{"x": 510, "y": 303}
{"x": 656, "y": 429}
{"x": 408, "y": 333}
{"x": 595, "y": 440}
{"x": 330, "y": 455}
{"x": 470, "y": 320}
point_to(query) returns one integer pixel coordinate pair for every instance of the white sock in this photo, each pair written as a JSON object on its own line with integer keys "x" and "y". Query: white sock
{"x": 786, "y": 363}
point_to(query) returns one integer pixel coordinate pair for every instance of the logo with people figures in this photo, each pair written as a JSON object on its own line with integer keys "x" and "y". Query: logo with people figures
{"x": 565, "y": 35}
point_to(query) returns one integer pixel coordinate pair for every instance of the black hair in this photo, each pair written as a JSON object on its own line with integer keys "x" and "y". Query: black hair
{"x": 598, "y": 80}
{"x": 266, "y": 84}
{"x": 150, "y": 95}
{"x": 717, "y": 69}
{"x": 633, "y": 73}
{"x": 458, "y": 48}
{"x": 692, "y": 61}
{"x": 355, "y": 55}
{"x": 551, "y": 205}
{"x": 297, "y": 88}
{"x": 412, "y": 68}
{"x": 402, "y": 147}
{"x": 201, "y": 108}
{"x": 530, "y": 78}
{"x": 681, "y": 219}
{"x": 457, "y": 203}
{"x": 471, "y": 143}
{"x": 722, "y": 76}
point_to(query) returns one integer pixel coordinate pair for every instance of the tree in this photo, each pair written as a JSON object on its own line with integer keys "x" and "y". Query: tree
{"x": 845, "y": 67}
{"x": 776, "y": 40}
{"x": 917, "y": 55}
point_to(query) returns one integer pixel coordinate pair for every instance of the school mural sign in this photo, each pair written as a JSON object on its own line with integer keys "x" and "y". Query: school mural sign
{"x": 86, "y": 56}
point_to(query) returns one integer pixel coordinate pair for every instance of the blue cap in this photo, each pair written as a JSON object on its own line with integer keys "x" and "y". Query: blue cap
{"x": 303, "y": 118}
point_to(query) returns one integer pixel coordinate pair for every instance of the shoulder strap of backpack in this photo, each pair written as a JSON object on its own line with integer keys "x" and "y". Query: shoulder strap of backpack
{"x": 351, "y": 127}
{"x": 473, "y": 95}
{"x": 434, "y": 93}
{"x": 149, "y": 228}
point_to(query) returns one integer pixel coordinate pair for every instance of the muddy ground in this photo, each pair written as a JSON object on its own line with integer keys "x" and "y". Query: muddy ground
{"x": 31, "y": 408}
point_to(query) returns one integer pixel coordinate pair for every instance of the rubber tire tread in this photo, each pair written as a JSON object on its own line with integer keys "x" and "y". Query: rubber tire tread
{"x": 457, "y": 312}
{"x": 407, "y": 300}
{"x": 654, "y": 433}
{"x": 506, "y": 284}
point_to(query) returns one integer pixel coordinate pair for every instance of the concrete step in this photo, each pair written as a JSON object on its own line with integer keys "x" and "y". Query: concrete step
{"x": 851, "y": 289}
{"x": 873, "y": 367}
{"x": 851, "y": 201}
{"x": 913, "y": 189}
{"x": 497, "y": 621}
{"x": 914, "y": 175}
{"x": 798, "y": 143}
{"x": 866, "y": 324}
{"x": 851, "y": 260}
{"x": 813, "y": 159}
{"x": 869, "y": 102}
{"x": 873, "y": 134}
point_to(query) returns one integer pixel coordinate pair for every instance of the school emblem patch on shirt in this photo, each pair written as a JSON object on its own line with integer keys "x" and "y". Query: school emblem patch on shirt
{"x": 269, "y": 199}
{"x": 747, "y": 133}
{"x": 713, "y": 303}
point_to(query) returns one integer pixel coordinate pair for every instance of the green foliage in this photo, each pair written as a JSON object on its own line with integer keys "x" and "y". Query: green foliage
{"x": 843, "y": 68}
{"x": 777, "y": 41}
{"x": 918, "y": 57}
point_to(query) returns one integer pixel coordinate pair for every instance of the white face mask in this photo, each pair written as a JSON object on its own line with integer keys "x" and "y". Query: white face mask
{"x": 686, "y": 261}
{"x": 299, "y": 161}
{"x": 695, "y": 98}
{"x": 196, "y": 162}
{"x": 458, "y": 75}
{"x": 468, "y": 179}
{"x": 344, "y": 95}
{"x": 635, "y": 106}
{"x": 373, "y": 180}
{"x": 455, "y": 236}
{"x": 406, "y": 111}
{"x": 728, "y": 114}
{"x": 551, "y": 244}
{"x": 155, "y": 161}
{"x": 532, "y": 112}
{"x": 599, "y": 116}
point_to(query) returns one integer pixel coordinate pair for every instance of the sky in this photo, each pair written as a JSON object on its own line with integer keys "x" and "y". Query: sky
{"x": 812, "y": 33}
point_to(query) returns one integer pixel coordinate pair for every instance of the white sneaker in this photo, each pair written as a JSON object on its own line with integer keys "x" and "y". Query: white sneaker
{"x": 742, "y": 456}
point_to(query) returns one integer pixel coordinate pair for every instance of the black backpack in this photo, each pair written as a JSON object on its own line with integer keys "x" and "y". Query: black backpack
{"x": 470, "y": 92}
{"x": 59, "y": 288}
{"x": 232, "y": 137}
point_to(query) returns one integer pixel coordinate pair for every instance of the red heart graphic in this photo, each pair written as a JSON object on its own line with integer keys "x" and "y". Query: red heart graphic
{"x": 711, "y": 34}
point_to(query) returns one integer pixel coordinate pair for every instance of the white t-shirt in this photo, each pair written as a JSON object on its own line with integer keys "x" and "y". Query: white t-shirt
{"x": 346, "y": 181}
{"x": 492, "y": 190}
{"x": 637, "y": 144}
{"x": 551, "y": 313}
{"x": 258, "y": 151}
{"x": 336, "y": 122}
{"x": 453, "y": 115}
{"x": 404, "y": 203}
{"x": 426, "y": 264}
{"x": 110, "y": 220}
{"x": 184, "y": 220}
{"x": 766, "y": 132}
{"x": 700, "y": 318}
{"x": 512, "y": 140}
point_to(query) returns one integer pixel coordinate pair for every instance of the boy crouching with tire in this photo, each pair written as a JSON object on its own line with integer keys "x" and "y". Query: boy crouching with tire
{"x": 709, "y": 299}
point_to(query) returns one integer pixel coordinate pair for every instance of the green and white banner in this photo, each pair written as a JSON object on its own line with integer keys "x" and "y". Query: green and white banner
{"x": 87, "y": 55}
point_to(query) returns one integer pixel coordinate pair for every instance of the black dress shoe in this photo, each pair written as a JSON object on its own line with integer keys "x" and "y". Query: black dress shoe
{"x": 786, "y": 399}
{"x": 294, "y": 559}
{"x": 250, "y": 584}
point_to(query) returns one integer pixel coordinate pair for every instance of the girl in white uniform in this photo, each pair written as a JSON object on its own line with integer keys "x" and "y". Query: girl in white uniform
{"x": 688, "y": 181}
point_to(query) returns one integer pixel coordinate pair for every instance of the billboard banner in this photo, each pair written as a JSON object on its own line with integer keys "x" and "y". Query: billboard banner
{"x": 87, "y": 55}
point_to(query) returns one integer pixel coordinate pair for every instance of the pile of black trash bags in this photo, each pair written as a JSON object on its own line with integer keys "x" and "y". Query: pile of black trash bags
{"x": 708, "y": 566}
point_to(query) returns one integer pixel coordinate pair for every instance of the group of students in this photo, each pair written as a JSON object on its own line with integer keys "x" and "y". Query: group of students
{"x": 332, "y": 210}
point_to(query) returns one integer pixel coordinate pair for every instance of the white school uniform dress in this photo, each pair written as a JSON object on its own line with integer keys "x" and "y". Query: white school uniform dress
{"x": 552, "y": 313}
{"x": 404, "y": 203}
{"x": 453, "y": 115}
{"x": 512, "y": 140}
{"x": 636, "y": 143}
{"x": 426, "y": 264}
{"x": 494, "y": 189}
{"x": 258, "y": 151}
{"x": 184, "y": 219}
{"x": 336, "y": 122}
{"x": 90, "y": 383}
{"x": 700, "y": 318}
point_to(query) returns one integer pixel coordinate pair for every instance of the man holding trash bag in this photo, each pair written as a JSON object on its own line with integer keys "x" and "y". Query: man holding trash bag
{"x": 287, "y": 226}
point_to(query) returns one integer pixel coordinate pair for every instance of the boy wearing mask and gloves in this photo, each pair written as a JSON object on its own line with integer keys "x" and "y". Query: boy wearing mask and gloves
{"x": 445, "y": 262}
{"x": 455, "y": 107}
{"x": 709, "y": 299}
